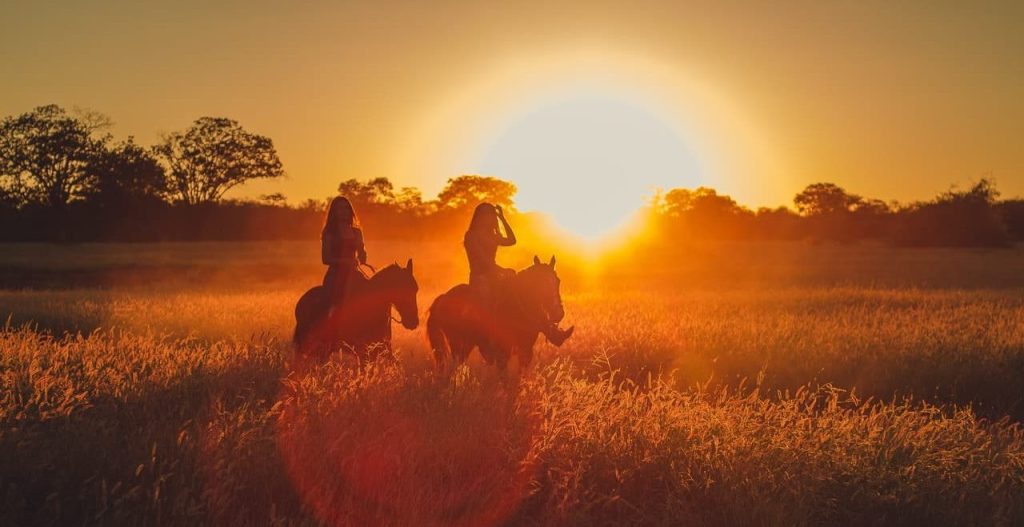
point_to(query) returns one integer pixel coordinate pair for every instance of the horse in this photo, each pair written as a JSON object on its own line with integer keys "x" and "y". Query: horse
{"x": 526, "y": 303}
{"x": 362, "y": 324}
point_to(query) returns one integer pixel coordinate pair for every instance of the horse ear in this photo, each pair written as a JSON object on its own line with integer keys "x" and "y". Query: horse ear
{"x": 552, "y": 263}
{"x": 408, "y": 265}
{"x": 536, "y": 260}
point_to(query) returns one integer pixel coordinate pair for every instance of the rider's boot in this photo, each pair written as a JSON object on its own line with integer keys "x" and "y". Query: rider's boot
{"x": 556, "y": 335}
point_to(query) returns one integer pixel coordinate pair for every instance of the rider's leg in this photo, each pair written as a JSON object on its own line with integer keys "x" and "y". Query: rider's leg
{"x": 336, "y": 283}
{"x": 329, "y": 278}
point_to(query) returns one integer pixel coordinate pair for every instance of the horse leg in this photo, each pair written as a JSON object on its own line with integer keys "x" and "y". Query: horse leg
{"x": 501, "y": 357}
{"x": 460, "y": 351}
{"x": 314, "y": 346}
{"x": 438, "y": 338}
{"x": 525, "y": 357}
{"x": 487, "y": 350}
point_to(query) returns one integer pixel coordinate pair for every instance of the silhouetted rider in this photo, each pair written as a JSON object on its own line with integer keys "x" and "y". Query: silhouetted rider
{"x": 341, "y": 249}
{"x": 481, "y": 241}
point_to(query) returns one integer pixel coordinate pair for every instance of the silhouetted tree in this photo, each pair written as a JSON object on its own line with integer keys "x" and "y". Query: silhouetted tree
{"x": 276, "y": 199}
{"x": 377, "y": 191}
{"x": 381, "y": 192}
{"x": 824, "y": 198}
{"x": 702, "y": 200}
{"x": 777, "y": 224}
{"x": 383, "y": 210}
{"x": 828, "y": 208}
{"x": 967, "y": 218}
{"x": 703, "y": 213}
{"x": 410, "y": 199}
{"x": 871, "y": 206}
{"x": 45, "y": 154}
{"x": 870, "y": 218}
{"x": 313, "y": 205}
{"x": 1012, "y": 213}
{"x": 60, "y": 180}
{"x": 213, "y": 156}
{"x": 9, "y": 194}
{"x": 470, "y": 190}
{"x": 126, "y": 175}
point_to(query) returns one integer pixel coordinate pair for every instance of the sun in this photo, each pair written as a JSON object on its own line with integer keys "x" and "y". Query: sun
{"x": 589, "y": 133}
{"x": 588, "y": 157}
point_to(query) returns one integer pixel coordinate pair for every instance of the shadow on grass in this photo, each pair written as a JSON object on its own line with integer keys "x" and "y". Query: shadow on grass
{"x": 153, "y": 457}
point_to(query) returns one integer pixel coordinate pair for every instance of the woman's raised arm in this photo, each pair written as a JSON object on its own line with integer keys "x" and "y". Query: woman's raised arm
{"x": 510, "y": 237}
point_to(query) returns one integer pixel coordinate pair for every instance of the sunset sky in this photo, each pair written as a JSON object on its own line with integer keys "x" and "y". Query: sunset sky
{"x": 895, "y": 100}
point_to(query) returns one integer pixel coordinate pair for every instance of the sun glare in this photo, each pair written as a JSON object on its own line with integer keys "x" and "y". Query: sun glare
{"x": 588, "y": 134}
{"x": 588, "y": 158}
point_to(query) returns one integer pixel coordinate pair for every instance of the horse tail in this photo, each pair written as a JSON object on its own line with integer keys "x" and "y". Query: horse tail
{"x": 299, "y": 334}
{"x": 436, "y": 335}
{"x": 300, "y": 319}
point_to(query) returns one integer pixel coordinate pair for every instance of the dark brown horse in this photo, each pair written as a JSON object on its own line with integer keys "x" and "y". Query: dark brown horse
{"x": 362, "y": 325}
{"x": 525, "y": 304}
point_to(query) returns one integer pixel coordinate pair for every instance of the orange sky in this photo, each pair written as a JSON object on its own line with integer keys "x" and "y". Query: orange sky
{"x": 891, "y": 100}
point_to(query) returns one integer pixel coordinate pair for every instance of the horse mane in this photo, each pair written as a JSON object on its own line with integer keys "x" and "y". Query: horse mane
{"x": 532, "y": 269}
{"x": 384, "y": 271}
{"x": 525, "y": 281}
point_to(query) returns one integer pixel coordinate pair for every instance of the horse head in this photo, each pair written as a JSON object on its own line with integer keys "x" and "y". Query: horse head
{"x": 543, "y": 289}
{"x": 401, "y": 288}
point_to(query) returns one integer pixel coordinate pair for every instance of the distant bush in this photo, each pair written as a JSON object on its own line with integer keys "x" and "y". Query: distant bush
{"x": 1012, "y": 214}
{"x": 968, "y": 218}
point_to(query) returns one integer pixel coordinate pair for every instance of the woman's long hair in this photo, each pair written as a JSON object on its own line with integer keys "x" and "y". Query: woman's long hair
{"x": 485, "y": 217}
{"x": 339, "y": 214}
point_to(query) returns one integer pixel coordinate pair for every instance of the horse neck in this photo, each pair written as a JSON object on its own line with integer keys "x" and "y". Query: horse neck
{"x": 382, "y": 286}
{"x": 523, "y": 308}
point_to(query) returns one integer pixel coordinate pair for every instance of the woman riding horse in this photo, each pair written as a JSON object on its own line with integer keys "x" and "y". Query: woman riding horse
{"x": 361, "y": 326}
{"x": 529, "y": 304}
{"x": 350, "y": 310}
{"x": 341, "y": 249}
{"x": 486, "y": 277}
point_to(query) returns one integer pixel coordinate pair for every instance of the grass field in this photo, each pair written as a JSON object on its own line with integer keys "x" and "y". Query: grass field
{"x": 722, "y": 384}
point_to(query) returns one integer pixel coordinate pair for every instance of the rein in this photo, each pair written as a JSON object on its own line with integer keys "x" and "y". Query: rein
{"x": 391, "y": 307}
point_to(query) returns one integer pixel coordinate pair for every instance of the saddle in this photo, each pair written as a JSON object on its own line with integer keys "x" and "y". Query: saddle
{"x": 491, "y": 288}
{"x": 356, "y": 281}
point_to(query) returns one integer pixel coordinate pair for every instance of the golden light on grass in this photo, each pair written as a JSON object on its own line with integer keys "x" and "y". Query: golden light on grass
{"x": 183, "y": 410}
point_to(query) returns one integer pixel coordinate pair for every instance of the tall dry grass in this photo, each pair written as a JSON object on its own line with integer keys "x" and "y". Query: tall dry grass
{"x": 822, "y": 388}
{"x": 942, "y": 345}
{"x": 115, "y": 428}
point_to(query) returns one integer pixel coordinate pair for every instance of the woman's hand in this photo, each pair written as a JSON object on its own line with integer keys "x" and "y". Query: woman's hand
{"x": 510, "y": 237}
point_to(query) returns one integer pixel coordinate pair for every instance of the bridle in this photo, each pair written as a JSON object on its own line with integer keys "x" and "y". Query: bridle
{"x": 391, "y": 306}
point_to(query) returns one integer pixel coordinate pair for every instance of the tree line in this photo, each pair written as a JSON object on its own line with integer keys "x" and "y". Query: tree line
{"x": 64, "y": 178}
{"x": 972, "y": 217}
